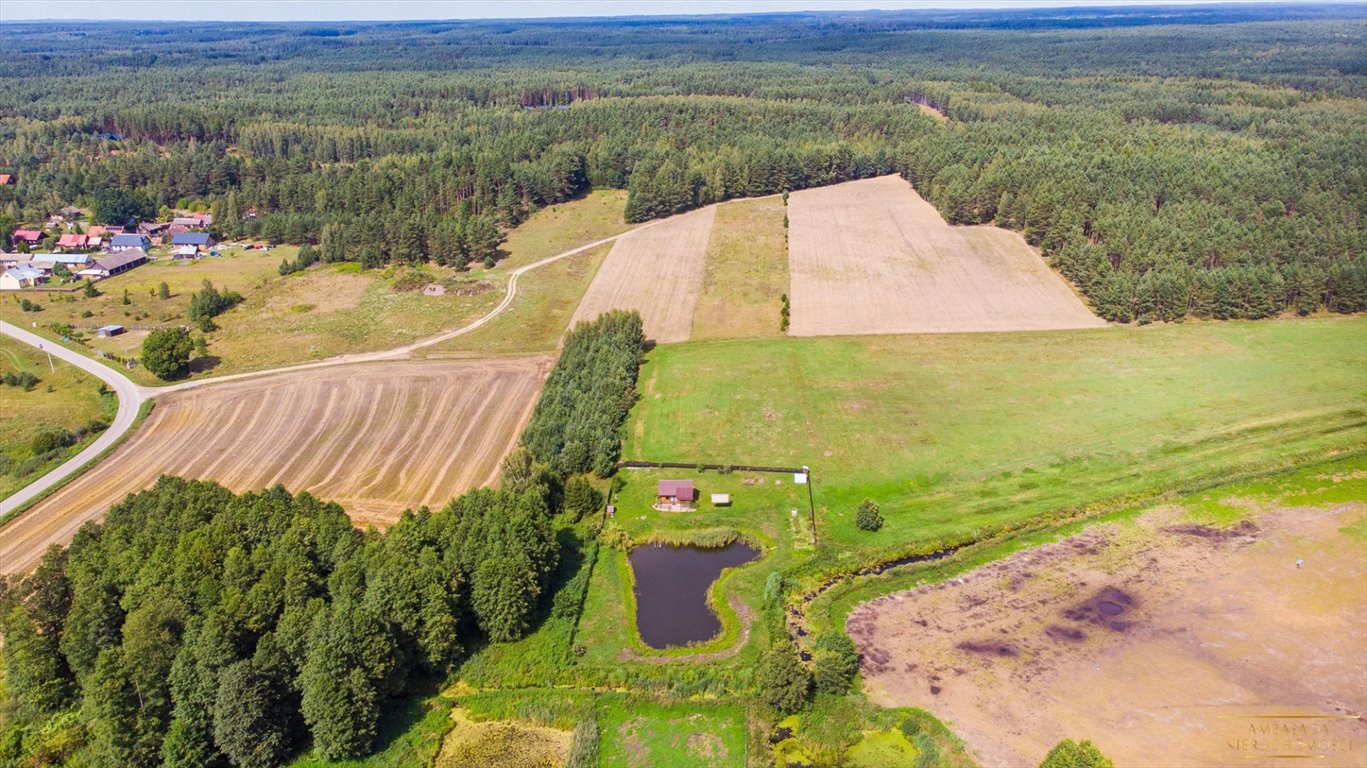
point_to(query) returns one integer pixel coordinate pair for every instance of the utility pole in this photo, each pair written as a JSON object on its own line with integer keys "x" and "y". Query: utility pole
{"x": 50, "y": 366}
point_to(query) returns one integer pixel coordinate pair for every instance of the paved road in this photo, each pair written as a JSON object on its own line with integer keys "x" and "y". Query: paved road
{"x": 130, "y": 396}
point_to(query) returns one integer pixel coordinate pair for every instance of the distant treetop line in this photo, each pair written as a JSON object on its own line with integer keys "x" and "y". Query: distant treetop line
{"x": 1168, "y": 168}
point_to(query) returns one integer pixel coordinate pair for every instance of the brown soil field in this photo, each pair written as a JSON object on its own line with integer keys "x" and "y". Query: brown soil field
{"x": 1163, "y": 641}
{"x": 657, "y": 271}
{"x": 377, "y": 438}
{"x": 872, "y": 257}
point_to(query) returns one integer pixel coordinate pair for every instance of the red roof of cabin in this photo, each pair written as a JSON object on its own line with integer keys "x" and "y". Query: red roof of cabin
{"x": 28, "y": 235}
{"x": 72, "y": 241}
{"x": 676, "y": 489}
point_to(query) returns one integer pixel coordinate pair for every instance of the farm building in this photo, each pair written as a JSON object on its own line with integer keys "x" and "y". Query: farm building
{"x": 114, "y": 263}
{"x": 674, "y": 495}
{"x": 8, "y": 260}
{"x": 193, "y": 221}
{"x": 150, "y": 228}
{"x": 30, "y": 236}
{"x": 73, "y": 242}
{"x": 109, "y": 330}
{"x": 192, "y": 239}
{"x": 721, "y": 499}
{"x": 123, "y": 241}
{"x": 15, "y": 278}
{"x": 185, "y": 252}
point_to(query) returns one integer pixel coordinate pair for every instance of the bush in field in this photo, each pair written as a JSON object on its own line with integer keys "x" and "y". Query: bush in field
{"x": 166, "y": 353}
{"x": 870, "y": 516}
{"x": 23, "y": 379}
{"x": 784, "y": 683}
{"x": 1072, "y": 754}
{"x": 836, "y": 663}
{"x": 208, "y": 302}
{"x": 574, "y": 428}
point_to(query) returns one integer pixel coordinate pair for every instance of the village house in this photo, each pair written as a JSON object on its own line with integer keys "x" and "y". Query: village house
{"x": 73, "y": 242}
{"x": 15, "y": 278}
{"x": 185, "y": 252}
{"x": 151, "y": 228}
{"x": 8, "y": 260}
{"x": 30, "y": 236}
{"x": 674, "y": 495}
{"x": 196, "y": 240}
{"x": 129, "y": 240}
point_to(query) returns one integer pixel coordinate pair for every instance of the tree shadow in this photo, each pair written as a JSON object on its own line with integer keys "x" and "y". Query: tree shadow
{"x": 204, "y": 364}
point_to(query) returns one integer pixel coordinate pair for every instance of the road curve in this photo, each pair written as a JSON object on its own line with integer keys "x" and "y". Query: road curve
{"x": 399, "y": 353}
{"x": 130, "y": 397}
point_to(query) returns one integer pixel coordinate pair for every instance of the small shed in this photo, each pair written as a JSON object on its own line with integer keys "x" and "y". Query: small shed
{"x": 721, "y": 499}
{"x": 109, "y": 330}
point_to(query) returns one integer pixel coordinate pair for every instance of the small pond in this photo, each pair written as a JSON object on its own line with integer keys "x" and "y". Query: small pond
{"x": 671, "y": 590}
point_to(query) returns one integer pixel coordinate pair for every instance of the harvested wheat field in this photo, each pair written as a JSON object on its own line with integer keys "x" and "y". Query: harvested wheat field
{"x": 657, "y": 271}
{"x": 377, "y": 438}
{"x": 872, "y": 257}
{"x": 1165, "y": 642}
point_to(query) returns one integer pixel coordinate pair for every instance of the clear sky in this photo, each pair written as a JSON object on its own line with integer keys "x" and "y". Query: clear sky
{"x": 357, "y": 10}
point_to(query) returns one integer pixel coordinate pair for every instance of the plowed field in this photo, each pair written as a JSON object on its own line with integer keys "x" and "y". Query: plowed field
{"x": 872, "y": 257}
{"x": 657, "y": 271}
{"x": 377, "y": 438}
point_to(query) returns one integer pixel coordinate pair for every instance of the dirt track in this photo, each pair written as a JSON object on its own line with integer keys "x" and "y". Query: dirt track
{"x": 377, "y": 438}
{"x": 871, "y": 257}
{"x": 1165, "y": 643}
{"x": 657, "y": 271}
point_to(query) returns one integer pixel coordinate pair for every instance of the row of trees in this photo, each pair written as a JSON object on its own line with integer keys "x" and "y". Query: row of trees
{"x": 575, "y": 427}
{"x": 195, "y": 627}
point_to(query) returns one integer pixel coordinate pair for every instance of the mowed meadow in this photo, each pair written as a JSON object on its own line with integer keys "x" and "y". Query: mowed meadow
{"x": 957, "y": 435}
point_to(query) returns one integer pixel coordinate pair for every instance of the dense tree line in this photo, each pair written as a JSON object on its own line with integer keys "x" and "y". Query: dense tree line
{"x": 195, "y": 627}
{"x": 576, "y": 425}
{"x": 1171, "y": 164}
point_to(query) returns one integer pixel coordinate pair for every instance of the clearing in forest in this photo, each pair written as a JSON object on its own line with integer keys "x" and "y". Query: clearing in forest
{"x": 377, "y": 438}
{"x": 1171, "y": 642}
{"x": 746, "y": 272}
{"x": 872, "y": 257}
{"x": 656, "y": 271}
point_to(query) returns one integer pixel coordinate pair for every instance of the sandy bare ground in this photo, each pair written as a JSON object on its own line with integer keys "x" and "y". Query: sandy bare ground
{"x": 657, "y": 271}
{"x": 871, "y": 256}
{"x": 377, "y": 438}
{"x": 1166, "y": 643}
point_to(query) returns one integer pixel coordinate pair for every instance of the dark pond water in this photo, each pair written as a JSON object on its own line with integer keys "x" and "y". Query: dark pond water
{"x": 671, "y": 590}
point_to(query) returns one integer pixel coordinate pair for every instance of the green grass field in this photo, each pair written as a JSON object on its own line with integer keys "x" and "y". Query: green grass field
{"x": 65, "y": 399}
{"x": 746, "y": 272}
{"x": 636, "y": 734}
{"x": 961, "y": 434}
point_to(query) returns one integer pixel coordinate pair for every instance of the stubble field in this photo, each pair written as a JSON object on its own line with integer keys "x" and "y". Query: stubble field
{"x": 377, "y": 438}
{"x": 872, "y": 257}
{"x": 657, "y": 271}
